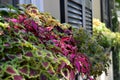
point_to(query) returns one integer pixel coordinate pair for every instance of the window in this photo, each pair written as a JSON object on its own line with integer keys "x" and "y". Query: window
{"x": 106, "y": 12}
{"x": 3, "y": 3}
{"x": 78, "y": 13}
{"x": 71, "y": 12}
{"x": 38, "y": 3}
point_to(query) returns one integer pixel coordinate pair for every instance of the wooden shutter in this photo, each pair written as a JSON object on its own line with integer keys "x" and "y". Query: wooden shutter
{"x": 78, "y": 13}
{"x": 88, "y": 15}
{"x": 74, "y": 13}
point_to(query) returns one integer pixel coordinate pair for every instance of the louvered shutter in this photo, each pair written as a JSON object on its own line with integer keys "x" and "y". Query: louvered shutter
{"x": 78, "y": 13}
{"x": 74, "y": 13}
{"x": 88, "y": 15}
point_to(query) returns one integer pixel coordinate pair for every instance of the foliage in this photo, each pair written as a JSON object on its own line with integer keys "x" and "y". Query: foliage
{"x": 98, "y": 56}
{"x": 35, "y": 46}
{"x": 115, "y": 22}
{"x": 105, "y": 36}
{"x": 109, "y": 38}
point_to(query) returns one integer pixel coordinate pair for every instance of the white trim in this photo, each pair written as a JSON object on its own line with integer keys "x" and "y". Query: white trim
{"x": 21, "y": 1}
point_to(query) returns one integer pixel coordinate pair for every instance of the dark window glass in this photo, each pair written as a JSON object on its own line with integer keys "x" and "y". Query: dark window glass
{"x": 4, "y": 3}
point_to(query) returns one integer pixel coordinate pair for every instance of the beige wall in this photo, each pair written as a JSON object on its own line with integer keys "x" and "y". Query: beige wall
{"x": 53, "y": 7}
{"x": 96, "y": 9}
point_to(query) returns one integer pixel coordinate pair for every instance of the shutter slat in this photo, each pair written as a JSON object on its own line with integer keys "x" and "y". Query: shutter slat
{"x": 74, "y": 13}
{"x": 74, "y": 5}
{"x": 75, "y": 16}
{"x": 88, "y": 19}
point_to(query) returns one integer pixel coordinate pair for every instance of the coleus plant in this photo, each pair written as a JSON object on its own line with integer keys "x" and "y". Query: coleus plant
{"x": 34, "y": 45}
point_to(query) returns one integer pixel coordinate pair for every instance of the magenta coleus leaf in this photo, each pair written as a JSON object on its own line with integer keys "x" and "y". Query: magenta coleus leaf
{"x": 65, "y": 39}
{"x": 29, "y": 54}
{"x": 51, "y": 70}
{"x": 11, "y": 70}
{"x": 82, "y": 63}
{"x": 34, "y": 25}
{"x": 13, "y": 20}
{"x": 61, "y": 66}
{"x": 43, "y": 77}
{"x": 24, "y": 70}
{"x": 72, "y": 75}
{"x": 18, "y": 77}
{"x": 45, "y": 64}
{"x": 6, "y": 44}
{"x": 11, "y": 56}
{"x": 50, "y": 28}
{"x": 33, "y": 72}
{"x": 77, "y": 65}
{"x": 21, "y": 18}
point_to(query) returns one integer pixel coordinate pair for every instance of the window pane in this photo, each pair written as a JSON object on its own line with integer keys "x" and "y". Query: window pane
{"x": 4, "y": 2}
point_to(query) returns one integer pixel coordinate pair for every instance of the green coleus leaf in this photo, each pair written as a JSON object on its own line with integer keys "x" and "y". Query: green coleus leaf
{"x": 28, "y": 44}
{"x": 63, "y": 59}
{"x": 11, "y": 70}
{"x": 3, "y": 25}
{"x": 1, "y": 72}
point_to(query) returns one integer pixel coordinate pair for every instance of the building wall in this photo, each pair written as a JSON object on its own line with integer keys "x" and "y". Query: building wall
{"x": 53, "y": 7}
{"x": 96, "y": 9}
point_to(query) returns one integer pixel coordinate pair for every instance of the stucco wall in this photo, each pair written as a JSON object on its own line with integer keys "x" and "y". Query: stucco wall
{"x": 96, "y": 9}
{"x": 53, "y": 7}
